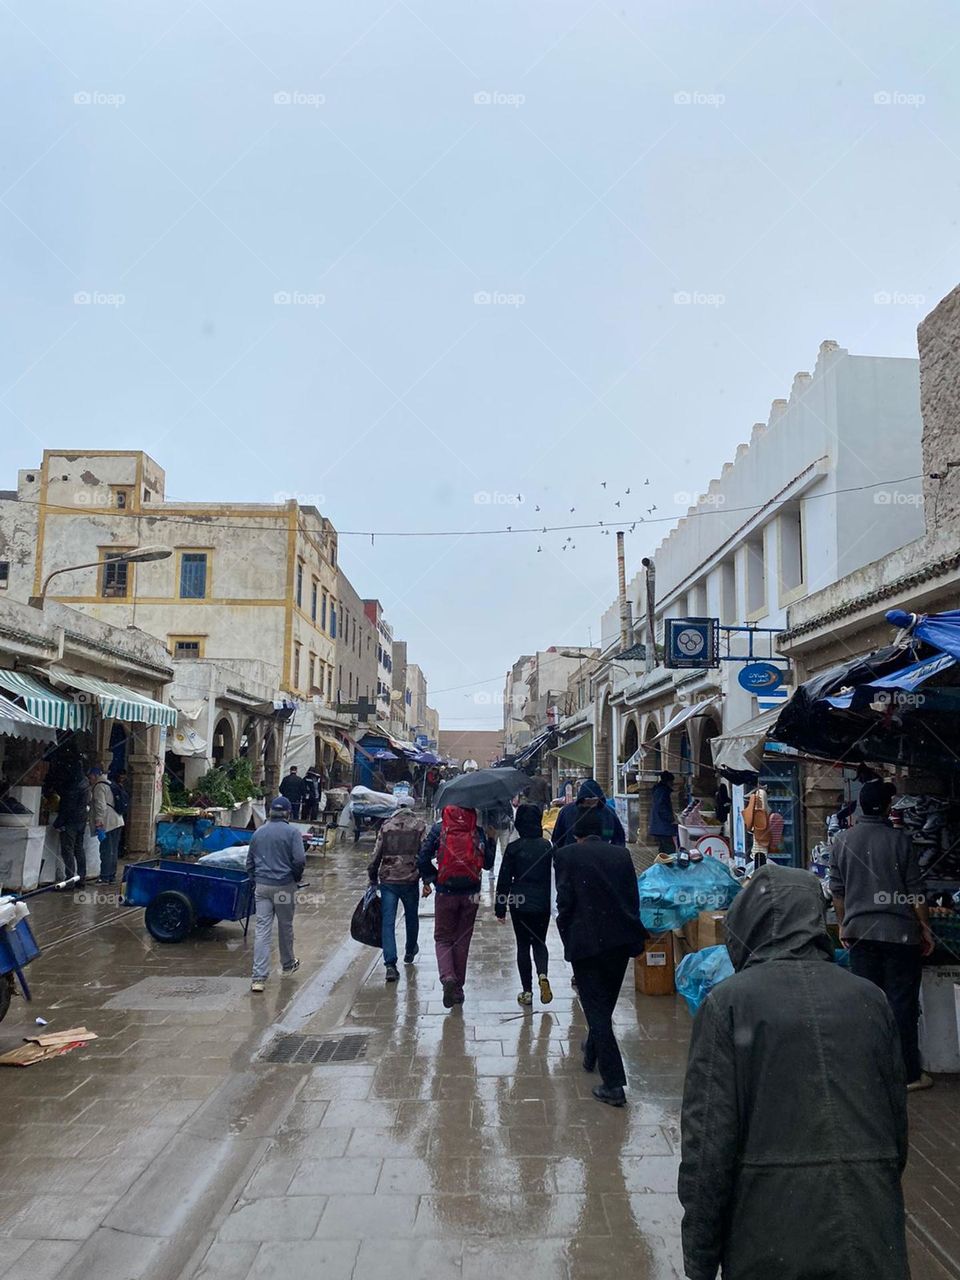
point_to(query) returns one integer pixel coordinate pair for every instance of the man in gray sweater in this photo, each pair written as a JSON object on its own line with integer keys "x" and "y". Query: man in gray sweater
{"x": 276, "y": 861}
{"x": 878, "y": 893}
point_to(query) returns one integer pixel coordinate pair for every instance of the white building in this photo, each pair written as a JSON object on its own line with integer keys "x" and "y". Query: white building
{"x": 829, "y": 483}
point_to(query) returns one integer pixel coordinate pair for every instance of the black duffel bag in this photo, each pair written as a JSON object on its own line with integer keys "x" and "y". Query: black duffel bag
{"x": 366, "y": 924}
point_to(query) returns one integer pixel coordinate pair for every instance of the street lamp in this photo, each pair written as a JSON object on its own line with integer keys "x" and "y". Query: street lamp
{"x": 139, "y": 555}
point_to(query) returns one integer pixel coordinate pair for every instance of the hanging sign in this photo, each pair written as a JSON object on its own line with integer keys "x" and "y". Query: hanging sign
{"x": 690, "y": 642}
{"x": 760, "y": 677}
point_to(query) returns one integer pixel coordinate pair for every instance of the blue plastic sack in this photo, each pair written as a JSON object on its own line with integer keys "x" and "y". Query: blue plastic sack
{"x": 699, "y": 972}
{"x": 672, "y": 895}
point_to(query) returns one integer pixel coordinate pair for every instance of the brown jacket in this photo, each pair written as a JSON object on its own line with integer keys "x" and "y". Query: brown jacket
{"x": 396, "y": 850}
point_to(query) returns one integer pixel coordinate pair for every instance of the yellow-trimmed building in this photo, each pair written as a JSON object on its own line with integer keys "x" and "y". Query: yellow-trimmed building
{"x": 244, "y": 583}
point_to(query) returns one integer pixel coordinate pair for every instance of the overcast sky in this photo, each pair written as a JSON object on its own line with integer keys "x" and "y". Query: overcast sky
{"x": 387, "y": 165}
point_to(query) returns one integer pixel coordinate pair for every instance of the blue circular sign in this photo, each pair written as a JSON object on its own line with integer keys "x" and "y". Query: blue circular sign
{"x": 760, "y": 677}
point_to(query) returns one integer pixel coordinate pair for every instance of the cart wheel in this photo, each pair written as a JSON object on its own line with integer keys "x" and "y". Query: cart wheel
{"x": 207, "y": 922}
{"x": 169, "y": 917}
{"x": 6, "y": 992}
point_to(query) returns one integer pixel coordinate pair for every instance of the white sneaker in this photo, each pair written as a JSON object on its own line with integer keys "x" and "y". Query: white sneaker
{"x": 925, "y": 1082}
{"x": 257, "y": 984}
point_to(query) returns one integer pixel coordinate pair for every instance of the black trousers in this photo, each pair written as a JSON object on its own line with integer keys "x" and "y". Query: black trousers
{"x": 897, "y": 969}
{"x": 531, "y": 930}
{"x": 599, "y": 979}
{"x": 71, "y": 852}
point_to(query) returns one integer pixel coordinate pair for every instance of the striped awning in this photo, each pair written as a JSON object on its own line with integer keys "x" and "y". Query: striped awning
{"x": 17, "y": 723}
{"x": 115, "y": 701}
{"x": 48, "y": 707}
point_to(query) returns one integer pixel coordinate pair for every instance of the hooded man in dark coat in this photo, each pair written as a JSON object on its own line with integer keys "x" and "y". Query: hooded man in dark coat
{"x": 794, "y": 1120}
{"x": 590, "y": 796}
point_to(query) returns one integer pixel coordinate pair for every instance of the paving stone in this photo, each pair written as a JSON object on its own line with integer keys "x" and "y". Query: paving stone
{"x": 274, "y": 1218}
{"x": 306, "y": 1260}
{"x": 433, "y": 1259}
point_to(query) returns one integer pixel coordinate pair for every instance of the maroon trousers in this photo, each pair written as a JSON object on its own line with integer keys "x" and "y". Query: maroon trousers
{"x": 455, "y": 915}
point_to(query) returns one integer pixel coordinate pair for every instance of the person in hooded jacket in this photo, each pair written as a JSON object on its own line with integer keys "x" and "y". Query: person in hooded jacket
{"x": 794, "y": 1120}
{"x": 523, "y": 885}
{"x": 590, "y": 796}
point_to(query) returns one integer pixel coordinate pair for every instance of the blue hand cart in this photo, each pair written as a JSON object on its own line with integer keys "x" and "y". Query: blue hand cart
{"x": 181, "y": 896}
{"x": 18, "y": 946}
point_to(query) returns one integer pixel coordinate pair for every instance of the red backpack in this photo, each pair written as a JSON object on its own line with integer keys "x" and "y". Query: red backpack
{"x": 460, "y": 859}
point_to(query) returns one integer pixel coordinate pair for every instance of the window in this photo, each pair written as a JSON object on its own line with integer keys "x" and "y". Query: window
{"x": 323, "y": 612}
{"x": 791, "y": 550}
{"x": 299, "y": 584}
{"x": 113, "y": 577}
{"x": 313, "y": 600}
{"x": 350, "y": 686}
{"x": 120, "y": 497}
{"x": 4, "y": 574}
{"x": 193, "y": 575}
{"x": 756, "y": 576}
{"x": 333, "y": 619}
{"x": 296, "y": 666}
{"x": 147, "y": 495}
{"x": 329, "y": 684}
{"x": 354, "y": 623}
{"x": 312, "y": 670}
{"x": 186, "y": 646}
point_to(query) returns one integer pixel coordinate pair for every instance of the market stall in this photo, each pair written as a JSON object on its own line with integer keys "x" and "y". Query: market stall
{"x": 895, "y": 714}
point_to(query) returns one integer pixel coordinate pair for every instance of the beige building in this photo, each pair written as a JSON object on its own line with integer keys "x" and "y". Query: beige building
{"x": 242, "y": 581}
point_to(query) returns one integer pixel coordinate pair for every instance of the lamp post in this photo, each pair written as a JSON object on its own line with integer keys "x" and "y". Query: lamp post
{"x": 139, "y": 555}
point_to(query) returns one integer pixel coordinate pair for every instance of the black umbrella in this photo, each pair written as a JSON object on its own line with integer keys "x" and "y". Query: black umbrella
{"x": 482, "y": 789}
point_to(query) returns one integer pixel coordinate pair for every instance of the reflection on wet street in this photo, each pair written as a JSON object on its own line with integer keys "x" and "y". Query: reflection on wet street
{"x": 461, "y": 1143}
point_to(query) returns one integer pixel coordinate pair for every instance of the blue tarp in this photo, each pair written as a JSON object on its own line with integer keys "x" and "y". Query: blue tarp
{"x": 197, "y": 835}
{"x": 672, "y": 895}
{"x": 939, "y": 630}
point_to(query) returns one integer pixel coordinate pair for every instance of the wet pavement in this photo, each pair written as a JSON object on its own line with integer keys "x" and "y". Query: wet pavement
{"x": 431, "y": 1143}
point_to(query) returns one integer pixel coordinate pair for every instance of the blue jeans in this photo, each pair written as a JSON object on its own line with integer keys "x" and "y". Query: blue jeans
{"x": 109, "y": 848}
{"x": 390, "y": 895}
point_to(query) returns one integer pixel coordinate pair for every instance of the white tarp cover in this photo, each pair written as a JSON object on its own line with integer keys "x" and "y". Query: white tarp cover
{"x": 742, "y": 748}
{"x": 698, "y": 709}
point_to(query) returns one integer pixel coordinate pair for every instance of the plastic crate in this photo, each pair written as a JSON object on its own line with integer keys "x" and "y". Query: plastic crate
{"x": 18, "y": 946}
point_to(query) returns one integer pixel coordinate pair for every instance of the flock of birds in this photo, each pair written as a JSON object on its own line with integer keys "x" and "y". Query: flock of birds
{"x": 569, "y": 544}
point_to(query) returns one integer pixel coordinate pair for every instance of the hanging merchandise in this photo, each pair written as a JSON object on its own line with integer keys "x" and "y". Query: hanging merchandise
{"x": 756, "y": 819}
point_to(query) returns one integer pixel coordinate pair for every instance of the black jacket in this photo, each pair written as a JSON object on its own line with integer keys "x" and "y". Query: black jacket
{"x": 293, "y": 787}
{"x": 794, "y": 1120}
{"x": 598, "y": 902}
{"x": 524, "y": 879}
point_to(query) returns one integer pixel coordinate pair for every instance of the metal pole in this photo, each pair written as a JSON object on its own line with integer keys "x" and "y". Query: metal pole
{"x": 651, "y": 593}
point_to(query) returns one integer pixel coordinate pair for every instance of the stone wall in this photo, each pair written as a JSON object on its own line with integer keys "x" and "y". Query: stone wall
{"x": 938, "y": 337}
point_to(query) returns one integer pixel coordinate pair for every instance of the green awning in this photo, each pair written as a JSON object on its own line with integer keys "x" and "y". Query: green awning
{"x": 48, "y": 707}
{"x": 115, "y": 701}
{"x": 579, "y": 749}
{"x": 17, "y": 723}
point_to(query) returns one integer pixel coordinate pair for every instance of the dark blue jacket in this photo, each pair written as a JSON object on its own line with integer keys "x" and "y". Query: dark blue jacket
{"x": 613, "y": 832}
{"x": 662, "y": 821}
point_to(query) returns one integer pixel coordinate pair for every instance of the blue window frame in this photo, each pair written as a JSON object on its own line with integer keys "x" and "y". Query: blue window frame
{"x": 323, "y": 613}
{"x": 313, "y": 601}
{"x": 333, "y": 620}
{"x": 193, "y": 575}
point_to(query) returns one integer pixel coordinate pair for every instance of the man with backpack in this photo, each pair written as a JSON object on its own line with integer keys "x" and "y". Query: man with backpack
{"x": 394, "y": 868}
{"x": 463, "y": 851}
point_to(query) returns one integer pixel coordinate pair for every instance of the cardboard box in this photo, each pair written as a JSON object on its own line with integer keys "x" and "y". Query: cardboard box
{"x": 653, "y": 968}
{"x": 685, "y": 941}
{"x": 711, "y": 929}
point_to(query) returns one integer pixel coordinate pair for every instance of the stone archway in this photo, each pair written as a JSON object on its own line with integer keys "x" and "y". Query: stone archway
{"x": 631, "y": 738}
{"x": 224, "y": 745}
{"x": 603, "y": 752}
{"x": 705, "y": 778}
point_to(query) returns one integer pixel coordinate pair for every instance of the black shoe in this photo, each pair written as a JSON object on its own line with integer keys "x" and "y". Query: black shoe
{"x": 449, "y": 994}
{"x": 459, "y": 997}
{"x": 411, "y": 956}
{"x": 392, "y": 973}
{"x": 613, "y": 1095}
{"x": 589, "y": 1057}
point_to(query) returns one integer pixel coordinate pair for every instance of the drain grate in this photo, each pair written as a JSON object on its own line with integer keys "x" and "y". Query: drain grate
{"x": 315, "y": 1049}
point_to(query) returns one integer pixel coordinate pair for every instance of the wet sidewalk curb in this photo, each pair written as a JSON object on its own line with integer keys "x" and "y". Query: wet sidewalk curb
{"x": 164, "y": 1224}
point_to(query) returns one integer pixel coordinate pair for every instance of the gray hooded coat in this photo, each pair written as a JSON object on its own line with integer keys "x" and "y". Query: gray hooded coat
{"x": 794, "y": 1120}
